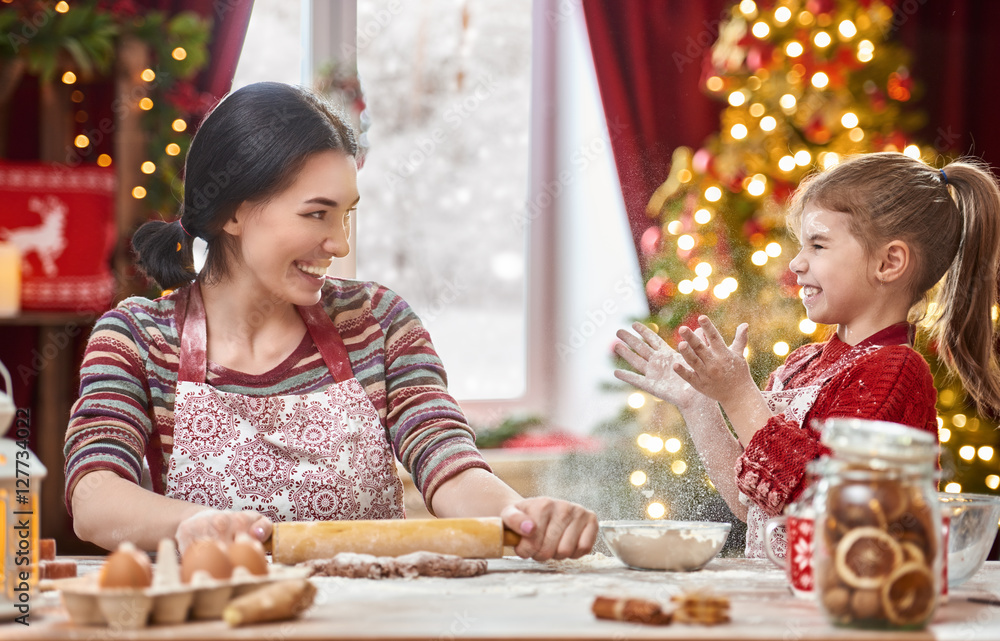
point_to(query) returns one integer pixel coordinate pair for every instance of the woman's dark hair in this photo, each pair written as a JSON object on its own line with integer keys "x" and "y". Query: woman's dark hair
{"x": 248, "y": 149}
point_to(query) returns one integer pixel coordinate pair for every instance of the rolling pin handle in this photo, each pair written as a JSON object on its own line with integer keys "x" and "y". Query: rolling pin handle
{"x": 510, "y": 537}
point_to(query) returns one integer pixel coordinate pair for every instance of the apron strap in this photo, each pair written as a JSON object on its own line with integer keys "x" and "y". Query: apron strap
{"x": 327, "y": 339}
{"x": 194, "y": 338}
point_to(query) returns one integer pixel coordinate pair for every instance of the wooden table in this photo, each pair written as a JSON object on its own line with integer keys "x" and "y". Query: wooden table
{"x": 520, "y": 599}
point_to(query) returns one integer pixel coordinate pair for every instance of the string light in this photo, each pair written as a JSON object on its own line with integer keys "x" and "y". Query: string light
{"x": 782, "y": 15}
{"x": 685, "y": 287}
{"x": 748, "y": 7}
{"x": 756, "y": 186}
{"x": 912, "y": 151}
{"x": 820, "y": 80}
{"x": 787, "y": 163}
{"x": 700, "y": 283}
{"x": 654, "y": 444}
{"x": 656, "y": 510}
{"x": 849, "y": 120}
{"x": 672, "y": 445}
{"x": 758, "y": 258}
{"x": 737, "y": 98}
{"x": 822, "y": 39}
{"x": 173, "y": 149}
{"x": 642, "y": 439}
{"x": 768, "y": 123}
{"x": 713, "y": 194}
{"x": 967, "y": 452}
{"x": 138, "y": 192}
{"x": 781, "y": 348}
{"x": 638, "y": 478}
{"x": 636, "y": 400}
{"x": 847, "y": 29}
{"x": 685, "y": 242}
{"x": 180, "y": 53}
{"x": 147, "y": 167}
{"x": 703, "y": 269}
{"x": 739, "y": 131}
{"x": 803, "y": 158}
{"x": 794, "y": 49}
{"x": 993, "y": 481}
{"x": 760, "y": 29}
{"x": 104, "y": 160}
{"x": 81, "y": 141}
{"x": 68, "y": 78}
{"x": 787, "y": 101}
{"x": 773, "y": 250}
{"x": 721, "y": 292}
{"x": 730, "y": 283}
{"x": 178, "y": 125}
{"x": 985, "y": 453}
{"x": 944, "y": 434}
{"x": 806, "y": 326}
{"x": 702, "y": 216}
{"x": 148, "y": 75}
{"x": 62, "y": 7}
{"x": 146, "y": 104}
{"x": 953, "y": 488}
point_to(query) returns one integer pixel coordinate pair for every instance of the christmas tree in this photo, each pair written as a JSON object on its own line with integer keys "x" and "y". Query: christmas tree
{"x": 807, "y": 83}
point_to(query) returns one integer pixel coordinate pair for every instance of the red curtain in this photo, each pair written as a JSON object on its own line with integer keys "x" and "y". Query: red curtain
{"x": 649, "y": 53}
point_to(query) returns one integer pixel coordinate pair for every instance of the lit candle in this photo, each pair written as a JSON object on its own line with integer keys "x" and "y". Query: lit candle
{"x": 10, "y": 279}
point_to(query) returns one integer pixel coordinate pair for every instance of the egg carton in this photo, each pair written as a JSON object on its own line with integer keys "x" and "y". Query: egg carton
{"x": 167, "y": 601}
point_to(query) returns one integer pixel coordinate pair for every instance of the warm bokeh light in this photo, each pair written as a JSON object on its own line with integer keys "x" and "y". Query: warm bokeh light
{"x": 642, "y": 439}
{"x": 138, "y": 192}
{"x": 847, "y": 29}
{"x": 678, "y": 467}
{"x": 713, "y": 194}
{"x": 781, "y": 348}
{"x": 674, "y": 227}
{"x": 953, "y": 488}
{"x": 857, "y": 134}
{"x": 737, "y": 98}
{"x": 849, "y": 120}
{"x": 685, "y": 286}
{"x": 739, "y": 131}
{"x": 806, "y": 326}
{"x": 822, "y": 39}
{"x": 730, "y": 283}
{"x": 756, "y": 187}
{"x": 178, "y": 125}
{"x": 944, "y": 434}
{"x": 993, "y": 481}
{"x": 685, "y": 242}
{"x": 756, "y": 110}
{"x": 656, "y": 510}
{"x": 180, "y": 53}
{"x": 912, "y": 151}
{"x": 81, "y": 141}
{"x": 820, "y": 80}
{"x": 787, "y": 163}
{"x": 636, "y": 400}
{"x": 714, "y": 83}
{"x": 758, "y": 258}
{"x": 702, "y": 216}
{"x": 672, "y": 445}
{"x": 104, "y": 160}
{"x": 654, "y": 444}
{"x": 638, "y": 477}
{"x": 803, "y": 158}
{"x": 794, "y": 49}
{"x": 985, "y": 453}
{"x": 703, "y": 269}
{"x": 721, "y": 292}
{"x": 173, "y": 149}
{"x": 147, "y": 167}
{"x": 967, "y": 452}
{"x": 748, "y": 7}
{"x": 830, "y": 159}
{"x": 768, "y": 123}
{"x": 760, "y": 29}
{"x": 700, "y": 283}
{"x": 787, "y": 101}
{"x": 148, "y": 75}
{"x": 62, "y": 7}
{"x": 146, "y": 104}
{"x": 69, "y": 78}
{"x": 958, "y": 420}
{"x": 773, "y": 250}
{"x": 782, "y": 15}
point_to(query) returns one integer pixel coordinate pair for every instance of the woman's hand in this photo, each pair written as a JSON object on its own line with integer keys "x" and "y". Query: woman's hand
{"x": 551, "y": 528}
{"x": 716, "y": 370}
{"x": 222, "y": 526}
{"x": 654, "y": 360}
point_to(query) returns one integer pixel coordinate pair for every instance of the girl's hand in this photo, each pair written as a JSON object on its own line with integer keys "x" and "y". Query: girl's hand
{"x": 717, "y": 371}
{"x": 654, "y": 360}
{"x": 222, "y": 526}
{"x": 551, "y": 528}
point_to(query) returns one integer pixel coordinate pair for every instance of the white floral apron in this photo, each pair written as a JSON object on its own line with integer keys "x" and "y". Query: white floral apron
{"x": 794, "y": 404}
{"x": 317, "y": 456}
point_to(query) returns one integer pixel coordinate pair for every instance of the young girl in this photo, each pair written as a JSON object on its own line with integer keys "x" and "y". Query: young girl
{"x": 261, "y": 390}
{"x": 877, "y": 232}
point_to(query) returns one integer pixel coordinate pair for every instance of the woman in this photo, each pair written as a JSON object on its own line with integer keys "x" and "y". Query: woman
{"x": 260, "y": 390}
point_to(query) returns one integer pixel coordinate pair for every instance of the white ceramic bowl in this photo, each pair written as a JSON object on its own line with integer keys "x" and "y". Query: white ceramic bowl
{"x": 973, "y": 527}
{"x": 680, "y": 546}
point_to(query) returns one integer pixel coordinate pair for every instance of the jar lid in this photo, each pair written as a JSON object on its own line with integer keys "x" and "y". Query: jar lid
{"x": 891, "y": 442}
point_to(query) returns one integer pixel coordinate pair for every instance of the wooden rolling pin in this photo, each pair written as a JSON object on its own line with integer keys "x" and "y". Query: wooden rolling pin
{"x": 473, "y": 538}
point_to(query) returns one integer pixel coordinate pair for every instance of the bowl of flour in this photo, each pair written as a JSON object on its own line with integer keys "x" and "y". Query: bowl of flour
{"x": 676, "y": 546}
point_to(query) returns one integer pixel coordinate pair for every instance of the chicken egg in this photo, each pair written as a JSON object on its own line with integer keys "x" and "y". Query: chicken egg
{"x": 248, "y": 553}
{"x": 207, "y": 556}
{"x": 126, "y": 567}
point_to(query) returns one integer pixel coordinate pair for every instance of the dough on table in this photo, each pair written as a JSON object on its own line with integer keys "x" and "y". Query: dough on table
{"x": 408, "y": 566}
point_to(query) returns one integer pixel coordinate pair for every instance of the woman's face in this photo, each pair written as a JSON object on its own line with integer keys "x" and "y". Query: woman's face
{"x": 287, "y": 244}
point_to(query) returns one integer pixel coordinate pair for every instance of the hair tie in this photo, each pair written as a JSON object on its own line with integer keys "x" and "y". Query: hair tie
{"x": 182, "y": 227}
{"x": 944, "y": 176}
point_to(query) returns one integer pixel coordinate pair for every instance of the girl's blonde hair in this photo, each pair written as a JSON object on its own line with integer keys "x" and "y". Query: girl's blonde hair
{"x": 950, "y": 218}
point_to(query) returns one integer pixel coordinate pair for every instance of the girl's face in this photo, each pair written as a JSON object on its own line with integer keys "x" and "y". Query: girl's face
{"x": 288, "y": 243}
{"x": 832, "y": 270}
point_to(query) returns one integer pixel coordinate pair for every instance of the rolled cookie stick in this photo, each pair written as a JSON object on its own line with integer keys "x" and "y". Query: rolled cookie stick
{"x": 631, "y": 610}
{"x": 275, "y": 602}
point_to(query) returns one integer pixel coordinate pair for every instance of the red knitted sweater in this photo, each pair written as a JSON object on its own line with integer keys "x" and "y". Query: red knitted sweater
{"x": 880, "y": 379}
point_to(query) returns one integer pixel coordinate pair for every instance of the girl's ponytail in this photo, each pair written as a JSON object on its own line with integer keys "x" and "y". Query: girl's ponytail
{"x": 163, "y": 252}
{"x": 967, "y": 298}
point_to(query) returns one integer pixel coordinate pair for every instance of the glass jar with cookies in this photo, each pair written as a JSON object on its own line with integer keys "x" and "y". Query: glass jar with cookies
{"x": 878, "y": 532}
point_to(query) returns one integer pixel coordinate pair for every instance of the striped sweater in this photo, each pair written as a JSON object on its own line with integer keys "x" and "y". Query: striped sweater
{"x": 129, "y": 373}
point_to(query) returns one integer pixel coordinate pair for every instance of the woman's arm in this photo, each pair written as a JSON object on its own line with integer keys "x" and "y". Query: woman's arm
{"x": 108, "y": 510}
{"x": 550, "y": 528}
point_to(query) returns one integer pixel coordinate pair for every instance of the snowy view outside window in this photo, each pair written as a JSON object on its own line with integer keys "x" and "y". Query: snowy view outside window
{"x": 447, "y": 86}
